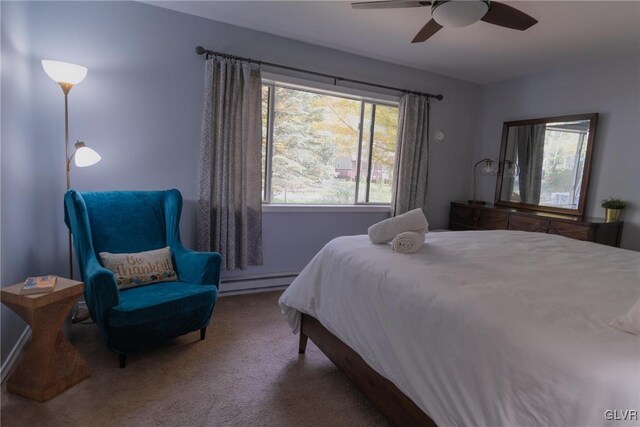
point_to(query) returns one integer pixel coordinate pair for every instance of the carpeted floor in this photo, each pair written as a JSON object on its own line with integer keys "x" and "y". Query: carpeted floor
{"x": 247, "y": 372}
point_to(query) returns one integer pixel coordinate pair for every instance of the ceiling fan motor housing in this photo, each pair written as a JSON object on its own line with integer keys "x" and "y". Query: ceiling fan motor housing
{"x": 458, "y": 13}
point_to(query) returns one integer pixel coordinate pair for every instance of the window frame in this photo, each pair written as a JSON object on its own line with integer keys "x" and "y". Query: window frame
{"x": 271, "y": 82}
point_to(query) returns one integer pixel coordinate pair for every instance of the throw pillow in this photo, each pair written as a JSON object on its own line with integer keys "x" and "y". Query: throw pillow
{"x": 141, "y": 268}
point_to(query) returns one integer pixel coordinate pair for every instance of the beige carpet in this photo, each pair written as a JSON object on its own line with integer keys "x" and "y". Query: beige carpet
{"x": 247, "y": 372}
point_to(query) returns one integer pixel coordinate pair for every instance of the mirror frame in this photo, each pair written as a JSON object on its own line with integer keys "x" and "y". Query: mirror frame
{"x": 579, "y": 212}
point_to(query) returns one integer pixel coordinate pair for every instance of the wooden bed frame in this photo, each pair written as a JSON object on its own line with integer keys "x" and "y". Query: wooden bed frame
{"x": 395, "y": 405}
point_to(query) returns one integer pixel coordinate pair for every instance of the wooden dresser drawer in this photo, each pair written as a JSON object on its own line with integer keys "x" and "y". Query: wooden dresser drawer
{"x": 463, "y": 217}
{"x": 493, "y": 220}
{"x": 574, "y": 231}
{"x": 525, "y": 223}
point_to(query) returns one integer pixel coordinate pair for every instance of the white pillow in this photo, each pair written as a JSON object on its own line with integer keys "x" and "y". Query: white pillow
{"x": 141, "y": 268}
{"x": 629, "y": 322}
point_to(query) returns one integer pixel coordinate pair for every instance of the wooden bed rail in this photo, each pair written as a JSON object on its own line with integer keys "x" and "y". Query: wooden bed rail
{"x": 395, "y": 405}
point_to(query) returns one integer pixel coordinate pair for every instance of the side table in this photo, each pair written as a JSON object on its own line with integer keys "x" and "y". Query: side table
{"x": 50, "y": 364}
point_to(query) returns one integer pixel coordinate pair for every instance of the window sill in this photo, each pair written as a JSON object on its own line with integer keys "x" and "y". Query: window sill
{"x": 324, "y": 208}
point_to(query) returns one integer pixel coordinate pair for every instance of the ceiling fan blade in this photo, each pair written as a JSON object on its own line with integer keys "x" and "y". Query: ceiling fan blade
{"x": 389, "y": 4}
{"x": 427, "y": 31}
{"x": 507, "y": 16}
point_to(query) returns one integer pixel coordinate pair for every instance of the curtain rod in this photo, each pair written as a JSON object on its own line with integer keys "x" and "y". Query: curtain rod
{"x": 202, "y": 51}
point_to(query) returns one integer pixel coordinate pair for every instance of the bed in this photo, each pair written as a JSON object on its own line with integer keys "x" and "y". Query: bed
{"x": 477, "y": 328}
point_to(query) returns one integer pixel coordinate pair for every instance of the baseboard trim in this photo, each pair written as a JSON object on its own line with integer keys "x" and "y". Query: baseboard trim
{"x": 252, "y": 290}
{"x": 256, "y": 283}
{"x": 14, "y": 353}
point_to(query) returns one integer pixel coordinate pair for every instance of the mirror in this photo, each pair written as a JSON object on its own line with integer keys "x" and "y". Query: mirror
{"x": 544, "y": 163}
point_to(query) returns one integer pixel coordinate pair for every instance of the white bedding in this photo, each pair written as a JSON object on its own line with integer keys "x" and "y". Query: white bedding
{"x": 485, "y": 327}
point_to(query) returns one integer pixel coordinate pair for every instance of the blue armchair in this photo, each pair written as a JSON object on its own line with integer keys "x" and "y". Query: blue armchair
{"x": 136, "y": 221}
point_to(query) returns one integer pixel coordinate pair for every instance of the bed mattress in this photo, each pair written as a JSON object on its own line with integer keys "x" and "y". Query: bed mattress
{"x": 495, "y": 328}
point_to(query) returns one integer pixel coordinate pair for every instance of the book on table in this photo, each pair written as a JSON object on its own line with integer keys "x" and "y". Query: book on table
{"x": 39, "y": 285}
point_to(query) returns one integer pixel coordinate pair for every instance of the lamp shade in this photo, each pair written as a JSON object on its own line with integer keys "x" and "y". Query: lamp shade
{"x": 459, "y": 13}
{"x": 85, "y": 156}
{"x": 64, "y": 72}
{"x": 488, "y": 167}
{"x": 511, "y": 169}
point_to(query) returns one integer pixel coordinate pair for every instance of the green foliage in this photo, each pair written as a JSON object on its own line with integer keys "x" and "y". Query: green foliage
{"x": 613, "y": 203}
{"x": 302, "y": 154}
{"x": 340, "y": 192}
{"x": 380, "y": 192}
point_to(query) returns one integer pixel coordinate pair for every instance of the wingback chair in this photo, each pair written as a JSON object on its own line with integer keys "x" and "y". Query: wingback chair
{"x": 130, "y": 222}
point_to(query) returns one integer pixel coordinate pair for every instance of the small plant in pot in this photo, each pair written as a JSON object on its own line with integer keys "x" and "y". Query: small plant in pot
{"x": 613, "y": 207}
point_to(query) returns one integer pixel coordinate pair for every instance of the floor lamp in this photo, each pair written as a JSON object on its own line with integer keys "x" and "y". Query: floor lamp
{"x": 67, "y": 75}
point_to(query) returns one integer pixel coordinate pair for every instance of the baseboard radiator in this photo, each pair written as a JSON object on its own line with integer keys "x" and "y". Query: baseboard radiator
{"x": 256, "y": 283}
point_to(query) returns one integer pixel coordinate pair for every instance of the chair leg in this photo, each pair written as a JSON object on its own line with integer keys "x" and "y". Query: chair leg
{"x": 203, "y": 333}
{"x": 303, "y": 343}
{"x": 123, "y": 360}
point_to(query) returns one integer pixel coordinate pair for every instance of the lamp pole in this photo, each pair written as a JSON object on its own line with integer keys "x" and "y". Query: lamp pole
{"x": 66, "y": 87}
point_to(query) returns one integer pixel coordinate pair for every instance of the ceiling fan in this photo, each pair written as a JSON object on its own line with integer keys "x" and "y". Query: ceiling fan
{"x": 457, "y": 13}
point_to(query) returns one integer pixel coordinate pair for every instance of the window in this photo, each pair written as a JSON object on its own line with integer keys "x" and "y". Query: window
{"x": 326, "y": 148}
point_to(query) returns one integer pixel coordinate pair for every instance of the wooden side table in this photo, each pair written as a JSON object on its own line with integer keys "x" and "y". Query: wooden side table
{"x": 50, "y": 364}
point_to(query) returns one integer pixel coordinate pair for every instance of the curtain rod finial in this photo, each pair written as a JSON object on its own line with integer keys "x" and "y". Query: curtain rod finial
{"x": 200, "y": 50}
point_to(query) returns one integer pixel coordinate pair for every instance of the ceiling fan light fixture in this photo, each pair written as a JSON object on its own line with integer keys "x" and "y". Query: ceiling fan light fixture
{"x": 459, "y": 13}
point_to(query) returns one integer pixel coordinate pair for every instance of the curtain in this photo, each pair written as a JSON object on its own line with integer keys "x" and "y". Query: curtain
{"x": 410, "y": 173}
{"x": 530, "y": 146}
{"x": 229, "y": 219}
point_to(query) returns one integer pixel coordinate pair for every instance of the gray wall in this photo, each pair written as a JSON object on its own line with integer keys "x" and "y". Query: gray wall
{"x": 139, "y": 107}
{"x": 611, "y": 88}
{"x": 26, "y": 233}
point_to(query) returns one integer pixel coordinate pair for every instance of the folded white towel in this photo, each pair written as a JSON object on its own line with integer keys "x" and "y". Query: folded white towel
{"x": 385, "y": 231}
{"x": 408, "y": 242}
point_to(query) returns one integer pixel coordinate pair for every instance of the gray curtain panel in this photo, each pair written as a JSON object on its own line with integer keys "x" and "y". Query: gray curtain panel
{"x": 530, "y": 145}
{"x": 411, "y": 171}
{"x": 229, "y": 218}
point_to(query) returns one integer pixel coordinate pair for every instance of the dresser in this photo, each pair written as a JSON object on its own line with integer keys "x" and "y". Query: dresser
{"x": 464, "y": 216}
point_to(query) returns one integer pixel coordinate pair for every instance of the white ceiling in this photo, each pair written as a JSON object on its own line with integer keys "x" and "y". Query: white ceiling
{"x": 568, "y": 32}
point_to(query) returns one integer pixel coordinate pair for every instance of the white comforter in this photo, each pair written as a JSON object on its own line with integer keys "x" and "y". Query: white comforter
{"x": 495, "y": 328}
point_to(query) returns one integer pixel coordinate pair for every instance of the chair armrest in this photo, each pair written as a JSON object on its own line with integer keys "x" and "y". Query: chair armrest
{"x": 100, "y": 291}
{"x": 197, "y": 267}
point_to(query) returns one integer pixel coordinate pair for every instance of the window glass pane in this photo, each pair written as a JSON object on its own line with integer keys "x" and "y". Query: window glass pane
{"x": 315, "y": 146}
{"x": 265, "y": 130}
{"x": 384, "y": 151}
